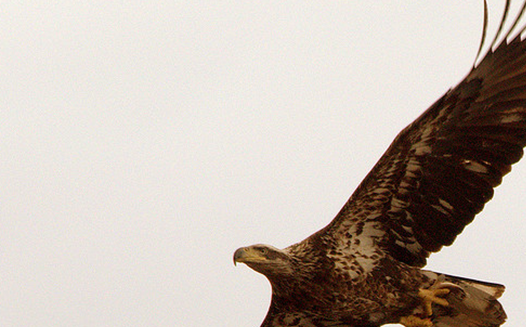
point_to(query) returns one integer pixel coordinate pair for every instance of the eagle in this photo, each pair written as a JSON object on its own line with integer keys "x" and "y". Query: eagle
{"x": 364, "y": 268}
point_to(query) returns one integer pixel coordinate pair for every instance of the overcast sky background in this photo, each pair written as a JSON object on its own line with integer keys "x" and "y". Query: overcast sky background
{"x": 144, "y": 141}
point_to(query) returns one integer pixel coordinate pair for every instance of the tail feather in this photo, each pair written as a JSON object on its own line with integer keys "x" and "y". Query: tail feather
{"x": 471, "y": 303}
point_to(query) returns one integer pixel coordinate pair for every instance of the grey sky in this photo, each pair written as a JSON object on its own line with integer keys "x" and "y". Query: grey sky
{"x": 143, "y": 142}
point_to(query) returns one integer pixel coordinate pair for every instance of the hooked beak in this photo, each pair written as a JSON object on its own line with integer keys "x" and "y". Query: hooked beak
{"x": 247, "y": 254}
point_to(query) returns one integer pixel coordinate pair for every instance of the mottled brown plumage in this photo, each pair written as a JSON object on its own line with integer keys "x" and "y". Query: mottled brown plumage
{"x": 364, "y": 268}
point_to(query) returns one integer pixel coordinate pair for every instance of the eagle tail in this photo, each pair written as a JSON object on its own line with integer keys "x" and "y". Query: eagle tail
{"x": 472, "y": 303}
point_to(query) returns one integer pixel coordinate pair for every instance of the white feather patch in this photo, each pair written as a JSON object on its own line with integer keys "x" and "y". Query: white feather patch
{"x": 359, "y": 255}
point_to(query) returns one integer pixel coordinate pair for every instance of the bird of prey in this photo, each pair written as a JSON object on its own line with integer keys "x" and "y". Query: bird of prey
{"x": 365, "y": 267}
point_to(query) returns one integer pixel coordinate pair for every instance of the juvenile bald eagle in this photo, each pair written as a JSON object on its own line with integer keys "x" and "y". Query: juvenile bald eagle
{"x": 364, "y": 268}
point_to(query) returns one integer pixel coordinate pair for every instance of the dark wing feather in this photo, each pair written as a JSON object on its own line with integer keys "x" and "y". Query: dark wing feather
{"x": 441, "y": 170}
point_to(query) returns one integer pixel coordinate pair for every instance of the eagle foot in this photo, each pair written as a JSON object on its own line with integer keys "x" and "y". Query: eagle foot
{"x": 430, "y": 296}
{"x": 414, "y": 321}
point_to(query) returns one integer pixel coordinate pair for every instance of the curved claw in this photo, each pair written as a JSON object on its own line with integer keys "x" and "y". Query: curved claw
{"x": 429, "y": 297}
{"x": 433, "y": 296}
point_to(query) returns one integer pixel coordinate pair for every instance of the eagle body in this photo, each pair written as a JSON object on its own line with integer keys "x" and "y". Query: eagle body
{"x": 313, "y": 289}
{"x": 365, "y": 267}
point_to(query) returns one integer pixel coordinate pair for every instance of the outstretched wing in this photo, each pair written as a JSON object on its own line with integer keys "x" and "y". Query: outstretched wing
{"x": 441, "y": 170}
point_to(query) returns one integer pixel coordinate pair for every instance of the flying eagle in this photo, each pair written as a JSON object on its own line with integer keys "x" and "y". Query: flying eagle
{"x": 364, "y": 268}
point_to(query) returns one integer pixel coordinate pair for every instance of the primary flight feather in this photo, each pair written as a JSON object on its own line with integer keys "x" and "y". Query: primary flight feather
{"x": 364, "y": 268}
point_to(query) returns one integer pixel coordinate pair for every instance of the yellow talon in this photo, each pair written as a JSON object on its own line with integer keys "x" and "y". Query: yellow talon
{"x": 432, "y": 296}
{"x": 414, "y": 321}
{"x": 429, "y": 297}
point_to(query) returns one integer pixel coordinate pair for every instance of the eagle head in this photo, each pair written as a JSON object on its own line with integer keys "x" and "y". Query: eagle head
{"x": 264, "y": 259}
